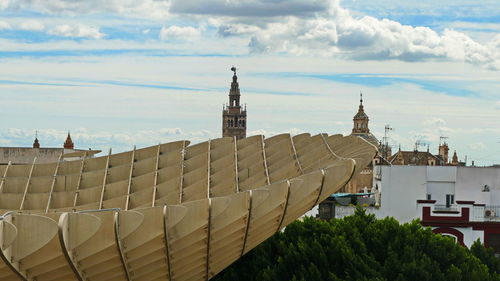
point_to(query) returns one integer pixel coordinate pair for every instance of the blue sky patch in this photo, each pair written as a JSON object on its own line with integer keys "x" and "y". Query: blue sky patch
{"x": 381, "y": 80}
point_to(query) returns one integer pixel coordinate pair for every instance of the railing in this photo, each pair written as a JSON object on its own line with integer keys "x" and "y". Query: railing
{"x": 344, "y": 211}
{"x": 445, "y": 208}
{"x": 486, "y": 213}
{"x": 492, "y": 212}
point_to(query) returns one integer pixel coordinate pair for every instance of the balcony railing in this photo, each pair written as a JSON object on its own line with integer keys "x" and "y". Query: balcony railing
{"x": 488, "y": 212}
{"x": 445, "y": 208}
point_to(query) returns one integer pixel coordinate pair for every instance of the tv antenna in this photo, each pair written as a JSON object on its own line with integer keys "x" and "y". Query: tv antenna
{"x": 442, "y": 140}
{"x": 387, "y": 129}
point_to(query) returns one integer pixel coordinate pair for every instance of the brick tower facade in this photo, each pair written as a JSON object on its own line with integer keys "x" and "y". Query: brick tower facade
{"x": 234, "y": 118}
{"x": 68, "y": 144}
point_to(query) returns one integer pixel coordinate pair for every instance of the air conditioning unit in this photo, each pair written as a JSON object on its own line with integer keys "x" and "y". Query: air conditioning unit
{"x": 489, "y": 213}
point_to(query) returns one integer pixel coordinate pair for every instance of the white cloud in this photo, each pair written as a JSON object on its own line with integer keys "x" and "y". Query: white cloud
{"x": 179, "y": 33}
{"x": 368, "y": 38}
{"x": 237, "y": 29}
{"x": 477, "y": 146}
{"x": 498, "y": 104}
{"x": 78, "y": 30}
{"x": 157, "y": 9}
{"x": 4, "y": 25}
{"x": 435, "y": 122}
{"x": 32, "y": 25}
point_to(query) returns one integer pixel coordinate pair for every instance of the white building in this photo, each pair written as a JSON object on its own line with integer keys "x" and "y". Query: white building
{"x": 463, "y": 202}
{"x": 402, "y": 186}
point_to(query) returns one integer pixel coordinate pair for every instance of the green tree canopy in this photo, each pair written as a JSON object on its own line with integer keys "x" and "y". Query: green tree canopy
{"x": 362, "y": 248}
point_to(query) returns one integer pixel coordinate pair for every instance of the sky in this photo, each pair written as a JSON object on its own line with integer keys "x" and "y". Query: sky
{"x": 140, "y": 72}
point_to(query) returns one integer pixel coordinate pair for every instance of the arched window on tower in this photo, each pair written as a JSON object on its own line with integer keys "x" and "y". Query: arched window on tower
{"x": 243, "y": 122}
{"x": 236, "y": 121}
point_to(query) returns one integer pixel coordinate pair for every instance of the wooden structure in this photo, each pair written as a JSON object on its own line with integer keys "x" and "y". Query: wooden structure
{"x": 168, "y": 212}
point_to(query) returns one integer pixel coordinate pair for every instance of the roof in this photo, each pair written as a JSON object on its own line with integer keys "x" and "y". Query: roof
{"x": 112, "y": 211}
{"x": 360, "y": 115}
{"x": 368, "y": 137}
{"x": 419, "y": 158}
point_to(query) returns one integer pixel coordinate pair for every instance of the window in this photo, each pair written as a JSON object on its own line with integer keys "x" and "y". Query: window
{"x": 451, "y": 236}
{"x": 429, "y": 196}
{"x": 450, "y": 199}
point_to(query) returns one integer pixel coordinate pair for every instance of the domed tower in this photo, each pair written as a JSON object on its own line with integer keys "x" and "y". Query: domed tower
{"x": 360, "y": 120}
{"x": 360, "y": 127}
{"x": 234, "y": 118}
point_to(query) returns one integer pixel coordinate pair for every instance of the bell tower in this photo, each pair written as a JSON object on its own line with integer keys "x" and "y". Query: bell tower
{"x": 360, "y": 119}
{"x": 234, "y": 118}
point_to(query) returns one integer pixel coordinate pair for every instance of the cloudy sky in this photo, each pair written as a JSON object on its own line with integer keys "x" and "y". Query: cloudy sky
{"x": 119, "y": 73}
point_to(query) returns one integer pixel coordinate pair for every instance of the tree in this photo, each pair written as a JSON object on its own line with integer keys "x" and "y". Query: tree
{"x": 360, "y": 247}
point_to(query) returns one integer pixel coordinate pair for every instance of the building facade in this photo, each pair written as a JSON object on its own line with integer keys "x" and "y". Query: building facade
{"x": 462, "y": 202}
{"x": 234, "y": 117}
{"x": 40, "y": 155}
{"x": 464, "y": 221}
{"x": 425, "y": 158}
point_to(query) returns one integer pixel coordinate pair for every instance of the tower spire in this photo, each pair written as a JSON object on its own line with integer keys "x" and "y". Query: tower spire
{"x": 68, "y": 144}
{"x": 360, "y": 119}
{"x": 233, "y": 116}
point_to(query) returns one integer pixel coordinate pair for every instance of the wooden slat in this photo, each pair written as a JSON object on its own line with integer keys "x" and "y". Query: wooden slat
{"x": 27, "y": 184}
{"x": 285, "y": 207}
{"x": 209, "y": 194}
{"x": 132, "y": 161}
{"x": 167, "y": 243}
{"x": 320, "y": 189}
{"x": 119, "y": 243}
{"x": 155, "y": 184}
{"x": 181, "y": 184}
{"x": 104, "y": 180}
{"x": 265, "y": 159}
{"x": 53, "y": 183}
{"x": 4, "y": 176}
{"x": 296, "y": 157}
{"x": 77, "y": 189}
{"x": 247, "y": 227}
{"x": 236, "y": 164}
{"x": 209, "y": 228}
